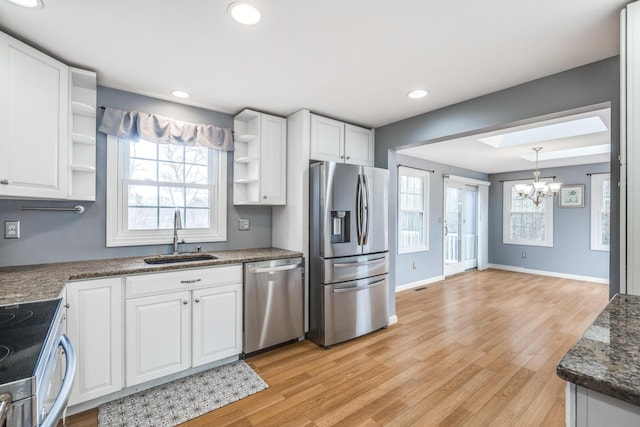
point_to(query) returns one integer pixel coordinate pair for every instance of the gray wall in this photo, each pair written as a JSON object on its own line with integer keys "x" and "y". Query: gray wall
{"x": 428, "y": 263}
{"x": 593, "y": 84}
{"x": 571, "y": 253}
{"x": 63, "y": 236}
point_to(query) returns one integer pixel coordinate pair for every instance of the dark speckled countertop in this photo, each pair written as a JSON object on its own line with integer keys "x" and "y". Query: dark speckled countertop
{"x": 45, "y": 281}
{"x": 606, "y": 358}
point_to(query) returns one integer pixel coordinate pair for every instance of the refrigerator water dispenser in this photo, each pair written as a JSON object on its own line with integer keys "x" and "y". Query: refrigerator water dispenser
{"x": 340, "y": 232}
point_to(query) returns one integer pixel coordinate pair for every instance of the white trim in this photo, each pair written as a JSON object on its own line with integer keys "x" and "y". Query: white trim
{"x": 549, "y": 273}
{"x": 506, "y": 218}
{"x": 426, "y": 190}
{"x": 465, "y": 180}
{"x": 596, "y": 210}
{"x": 393, "y": 320}
{"x": 419, "y": 283}
{"x": 115, "y": 218}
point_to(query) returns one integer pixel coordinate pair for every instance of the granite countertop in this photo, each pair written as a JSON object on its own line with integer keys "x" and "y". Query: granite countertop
{"x": 45, "y": 281}
{"x": 606, "y": 358}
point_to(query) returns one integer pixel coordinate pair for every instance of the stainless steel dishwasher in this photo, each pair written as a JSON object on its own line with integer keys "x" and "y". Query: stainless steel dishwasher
{"x": 273, "y": 303}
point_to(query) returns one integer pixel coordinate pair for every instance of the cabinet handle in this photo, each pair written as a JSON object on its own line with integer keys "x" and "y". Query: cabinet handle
{"x": 191, "y": 281}
{"x": 197, "y": 299}
{"x": 264, "y": 197}
{"x": 348, "y": 157}
{"x": 4, "y": 182}
{"x": 185, "y": 302}
{"x": 342, "y": 157}
{"x": 67, "y": 305}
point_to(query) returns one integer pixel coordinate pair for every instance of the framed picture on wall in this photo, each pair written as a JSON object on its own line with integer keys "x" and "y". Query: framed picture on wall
{"x": 571, "y": 196}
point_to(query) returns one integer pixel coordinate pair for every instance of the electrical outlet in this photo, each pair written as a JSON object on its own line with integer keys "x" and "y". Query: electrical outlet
{"x": 523, "y": 254}
{"x": 414, "y": 265}
{"x": 244, "y": 224}
{"x": 12, "y": 229}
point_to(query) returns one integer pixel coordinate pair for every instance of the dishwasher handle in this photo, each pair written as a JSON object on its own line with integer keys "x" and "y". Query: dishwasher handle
{"x": 274, "y": 269}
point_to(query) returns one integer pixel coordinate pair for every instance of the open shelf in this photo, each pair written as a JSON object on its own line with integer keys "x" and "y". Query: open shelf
{"x": 81, "y": 138}
{"x": 83, "y": 109}
{"x": 83, "y": 168}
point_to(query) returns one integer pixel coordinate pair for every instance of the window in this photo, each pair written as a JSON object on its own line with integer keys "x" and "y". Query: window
{"x": 147, "y": 182}
{"x": 523, "y": 222}
{"x": 413, "y": 202}
{"x": 600, "y": 211}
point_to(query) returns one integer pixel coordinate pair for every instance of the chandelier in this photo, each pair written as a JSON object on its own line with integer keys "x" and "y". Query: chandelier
{"x": 539, "y": 190}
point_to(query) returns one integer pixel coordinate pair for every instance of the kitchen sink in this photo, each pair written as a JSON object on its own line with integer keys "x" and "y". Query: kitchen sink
{"x": 170, "y": 259}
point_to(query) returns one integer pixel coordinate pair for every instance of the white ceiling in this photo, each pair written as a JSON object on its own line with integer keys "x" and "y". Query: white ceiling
{"x": 470, "y": 153}
{"x": 351, "y": 59}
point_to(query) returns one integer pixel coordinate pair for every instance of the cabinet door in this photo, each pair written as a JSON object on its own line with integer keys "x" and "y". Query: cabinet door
{"x": 327, "y": 139}
{"x": 33, "y": 122}
{"x": 217, "y": 323}
{"x": 273, "y": 160}
{"x": 94, "y": 326}
{"x": 157, "y": 336}
{"x": 358, "y": 145}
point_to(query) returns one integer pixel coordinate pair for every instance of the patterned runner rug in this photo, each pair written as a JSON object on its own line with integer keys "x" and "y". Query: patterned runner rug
{"x": 182, "y": 400}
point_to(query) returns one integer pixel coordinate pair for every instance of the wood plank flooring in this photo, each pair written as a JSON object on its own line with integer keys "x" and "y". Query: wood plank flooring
{"x": 478, "y": 349}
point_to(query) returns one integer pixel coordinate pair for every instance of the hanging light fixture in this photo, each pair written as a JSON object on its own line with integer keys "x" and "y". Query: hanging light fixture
{"x": 539, "y": 190}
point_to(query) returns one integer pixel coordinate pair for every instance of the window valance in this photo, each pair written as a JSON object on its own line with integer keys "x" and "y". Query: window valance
{"x": 135, "y": 125}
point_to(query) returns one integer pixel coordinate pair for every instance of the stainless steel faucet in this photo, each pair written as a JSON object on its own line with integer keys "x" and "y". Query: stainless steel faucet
{"x": 177, "y": 225}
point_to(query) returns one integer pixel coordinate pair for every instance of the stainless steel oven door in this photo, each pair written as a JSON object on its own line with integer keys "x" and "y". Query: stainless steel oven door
{"x": 57, "y": 384}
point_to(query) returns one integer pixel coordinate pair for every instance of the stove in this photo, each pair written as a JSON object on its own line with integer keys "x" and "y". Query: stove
{"x": 30, "y": 362}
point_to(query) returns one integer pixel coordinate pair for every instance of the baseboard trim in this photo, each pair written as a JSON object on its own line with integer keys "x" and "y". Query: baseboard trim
{"x": 549, "y": 273}
{"x": 419, "y": 283}
{"x": 393, "y": 320}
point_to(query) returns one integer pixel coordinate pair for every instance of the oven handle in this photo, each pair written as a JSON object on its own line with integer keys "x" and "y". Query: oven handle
{"x": 5, "y": 401}
{"x": 51, "y": 420}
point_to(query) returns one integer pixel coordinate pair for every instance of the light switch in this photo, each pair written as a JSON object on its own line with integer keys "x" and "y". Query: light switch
{"x": 244, "y": 224}
{"x": 12, "y": 229}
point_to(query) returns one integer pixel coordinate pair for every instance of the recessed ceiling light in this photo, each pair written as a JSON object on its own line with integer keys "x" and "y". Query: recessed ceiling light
{"x": 179, "y": 94}
{"x": 33, "y": 4}
{"x": 417, "y": 94}
{"x": 245, "y": 13}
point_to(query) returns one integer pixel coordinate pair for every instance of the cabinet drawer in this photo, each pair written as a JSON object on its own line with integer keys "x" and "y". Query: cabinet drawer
{"x": 187, "y": 279}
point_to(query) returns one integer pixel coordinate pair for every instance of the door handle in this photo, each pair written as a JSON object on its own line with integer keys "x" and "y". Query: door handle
{"x": 357, "y": 288}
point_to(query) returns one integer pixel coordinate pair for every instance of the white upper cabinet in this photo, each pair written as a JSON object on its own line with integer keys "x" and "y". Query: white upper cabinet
{"x": 259, "y": 159}
{"x": 34, "y": 99}
{"x": 47, "y": 126}
{"x": 335, "y": 141}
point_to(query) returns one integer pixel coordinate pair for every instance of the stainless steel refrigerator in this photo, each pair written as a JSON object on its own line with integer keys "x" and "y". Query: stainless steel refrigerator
{"x": 349, "y": 260}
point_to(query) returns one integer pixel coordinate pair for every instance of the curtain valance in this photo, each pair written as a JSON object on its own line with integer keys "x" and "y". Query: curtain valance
{"x": 135, "y": 125}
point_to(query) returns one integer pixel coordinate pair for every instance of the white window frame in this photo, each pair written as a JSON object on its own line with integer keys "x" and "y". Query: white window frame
{"x": 425, "y": 177}
{"x": 117, "y": 232}
{"x": 506, "y": 217}
{"x": 596, "y": 210}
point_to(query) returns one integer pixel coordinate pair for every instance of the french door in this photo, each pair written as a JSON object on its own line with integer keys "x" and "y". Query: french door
{"x": 460, "y": 227}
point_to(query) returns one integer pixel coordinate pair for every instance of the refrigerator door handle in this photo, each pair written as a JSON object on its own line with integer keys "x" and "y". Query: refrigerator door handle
{"x": 357, "y": 288}
{"x": 365, "y": 210}
{"x": 359, "y": 210}
{"x": 358, "y": 264}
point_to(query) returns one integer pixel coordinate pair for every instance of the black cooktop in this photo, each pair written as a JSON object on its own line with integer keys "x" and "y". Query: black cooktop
{"x": 23, "y": 332}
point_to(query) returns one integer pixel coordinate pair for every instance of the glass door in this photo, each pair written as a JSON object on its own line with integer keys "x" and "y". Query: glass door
{"x": 460, "y": 228}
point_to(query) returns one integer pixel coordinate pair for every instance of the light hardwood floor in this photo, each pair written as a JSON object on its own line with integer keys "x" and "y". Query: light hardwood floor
{"x": 478, "y": 349}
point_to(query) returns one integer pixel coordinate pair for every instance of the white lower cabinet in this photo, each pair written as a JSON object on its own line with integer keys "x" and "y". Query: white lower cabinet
{"x": 217, "y": 323}
{"x": 94, "y": 326}
{"x": 181, "y": 319}
{"x": 157, "y": 336}
{"x": 588, "y": 408}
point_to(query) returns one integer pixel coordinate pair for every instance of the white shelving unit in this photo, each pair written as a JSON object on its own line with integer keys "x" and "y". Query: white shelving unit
{"x": 82, "y": 159}
{"x": 246, "y": 158}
